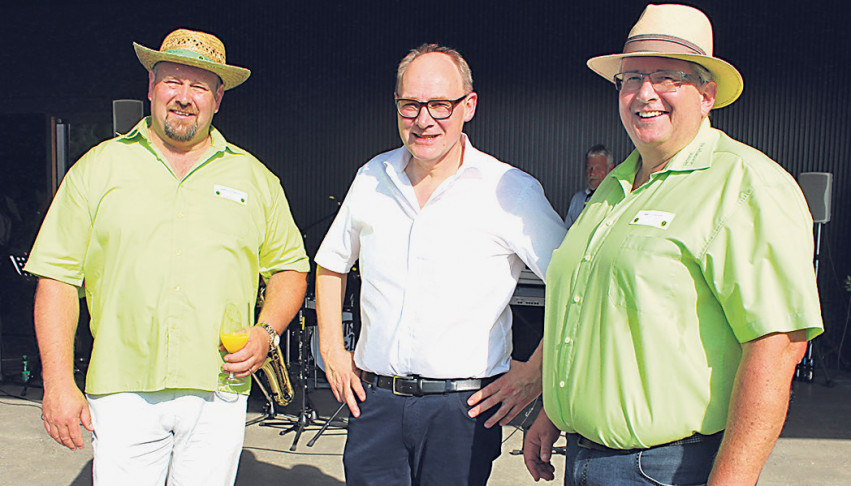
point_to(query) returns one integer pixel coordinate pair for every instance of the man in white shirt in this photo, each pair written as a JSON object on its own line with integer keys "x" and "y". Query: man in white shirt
{"x": 598, "y": 163}
{"x": 442, "y": 232}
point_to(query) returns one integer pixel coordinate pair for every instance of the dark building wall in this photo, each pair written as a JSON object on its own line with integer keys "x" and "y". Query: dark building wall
{"x": 318, "y": 104}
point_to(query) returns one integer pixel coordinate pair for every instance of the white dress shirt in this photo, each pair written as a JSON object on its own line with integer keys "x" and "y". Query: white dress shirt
{"x": 437, "y": 280}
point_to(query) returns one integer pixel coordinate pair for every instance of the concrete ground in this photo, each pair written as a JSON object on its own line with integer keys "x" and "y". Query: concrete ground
{"x": 814, "y": 449}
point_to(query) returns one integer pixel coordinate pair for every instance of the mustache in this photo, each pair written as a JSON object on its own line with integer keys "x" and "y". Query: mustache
{"x": 182, "y": 108}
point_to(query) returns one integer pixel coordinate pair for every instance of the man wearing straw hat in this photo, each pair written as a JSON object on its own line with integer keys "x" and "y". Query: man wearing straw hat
{"x": 166, "y": 225}
{"x": 681, "y": 300}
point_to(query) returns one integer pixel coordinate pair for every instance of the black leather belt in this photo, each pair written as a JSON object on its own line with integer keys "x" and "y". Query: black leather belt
{"x": 590, "y": 444}
{"x": 414, "y": 386}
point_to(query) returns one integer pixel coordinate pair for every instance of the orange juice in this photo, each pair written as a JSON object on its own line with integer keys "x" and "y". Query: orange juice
{"x": 234, "y": 341}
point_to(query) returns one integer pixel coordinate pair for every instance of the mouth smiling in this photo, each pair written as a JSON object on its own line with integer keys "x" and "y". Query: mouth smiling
{"x": 649, "y": 114}
{"x": 182, "y": 113}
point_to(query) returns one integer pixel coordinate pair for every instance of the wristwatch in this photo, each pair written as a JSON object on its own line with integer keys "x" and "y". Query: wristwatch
{"x": 274, "y": 338}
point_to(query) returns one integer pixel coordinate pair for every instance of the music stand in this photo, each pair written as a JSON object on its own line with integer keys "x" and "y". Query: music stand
{"x": 307, "y": 415}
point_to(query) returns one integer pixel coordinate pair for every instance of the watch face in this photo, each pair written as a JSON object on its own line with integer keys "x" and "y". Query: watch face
{"x": 276, "y": 339}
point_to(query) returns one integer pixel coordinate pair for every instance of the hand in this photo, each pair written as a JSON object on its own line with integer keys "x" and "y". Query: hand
{"x": 63, "y": 409}
{"x": 515, "y": 389}
{"x": 344, "y": 378}
{"x": 251, "y": 357}
{"x": 538, "y": 448}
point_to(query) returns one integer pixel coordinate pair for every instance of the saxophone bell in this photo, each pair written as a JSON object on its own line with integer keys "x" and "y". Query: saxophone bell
{"x": 275, "y": 370}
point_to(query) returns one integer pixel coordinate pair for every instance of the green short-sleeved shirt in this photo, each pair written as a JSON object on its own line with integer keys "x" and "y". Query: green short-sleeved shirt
{"x": 161, "y": 256}
{"x": 652, "y": 291}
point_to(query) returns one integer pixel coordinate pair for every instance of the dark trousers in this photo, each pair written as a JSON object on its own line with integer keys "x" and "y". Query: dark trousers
{"x": 413, "y": 441}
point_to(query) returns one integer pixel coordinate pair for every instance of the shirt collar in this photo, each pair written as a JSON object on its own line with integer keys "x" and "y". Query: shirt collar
{"x": 471, "y": 159}
{"x": 697, "y": 155}
{"x": 142, "y": 131}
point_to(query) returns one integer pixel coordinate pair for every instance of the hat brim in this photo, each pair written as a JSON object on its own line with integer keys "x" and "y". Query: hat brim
{"x": 231, "y": 76}
{"x": 729, "y": 81}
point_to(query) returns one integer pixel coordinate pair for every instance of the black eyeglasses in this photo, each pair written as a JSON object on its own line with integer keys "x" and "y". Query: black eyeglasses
{"x": 438, "y": 109}
{"x": 662, "y": 81}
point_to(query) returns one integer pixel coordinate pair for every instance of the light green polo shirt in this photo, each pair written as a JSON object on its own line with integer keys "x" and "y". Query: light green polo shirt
{"x": 652, "y": 291}
{"x": 161, "y": 257}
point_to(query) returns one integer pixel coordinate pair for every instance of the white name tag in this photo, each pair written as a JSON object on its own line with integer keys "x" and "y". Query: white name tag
{"x": 656, "y": 219}
{"x": 230, "y": 193}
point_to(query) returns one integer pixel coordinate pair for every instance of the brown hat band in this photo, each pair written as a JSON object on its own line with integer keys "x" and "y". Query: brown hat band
{"x": 661, "y": 43}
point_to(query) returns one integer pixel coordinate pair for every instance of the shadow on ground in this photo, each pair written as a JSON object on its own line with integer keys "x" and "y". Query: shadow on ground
{"x": 252, "y": 472}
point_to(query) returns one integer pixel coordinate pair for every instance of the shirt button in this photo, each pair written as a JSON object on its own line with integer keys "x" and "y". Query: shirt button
{"x": 561, "y": 384}
{"x": 177, "y": 288}
{"x": 608, "y": 222}
{"x": 179, "y": 215}
{"x": 587, "y": 258}
{"x": 576, "y": 299}
{"x": 567, "y": 340}
{"x": 178, "y": 252}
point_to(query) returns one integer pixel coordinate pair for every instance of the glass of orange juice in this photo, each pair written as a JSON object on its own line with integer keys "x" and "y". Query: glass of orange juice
{"x": 233, "y": 331}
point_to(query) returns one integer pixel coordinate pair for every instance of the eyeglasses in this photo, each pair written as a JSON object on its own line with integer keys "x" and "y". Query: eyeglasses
{"x": 438, "y": 109}
{"x": 662, "y": 81}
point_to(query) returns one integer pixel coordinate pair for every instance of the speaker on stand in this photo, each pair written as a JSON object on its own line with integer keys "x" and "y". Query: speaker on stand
{"x": 817, "y": 188}
{"x": 125, "y": 115}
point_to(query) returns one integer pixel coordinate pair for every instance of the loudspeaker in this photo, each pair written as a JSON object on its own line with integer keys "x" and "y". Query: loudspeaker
{"x": 817, "y": 188}
{"x": 125, "y": 115}
{"x": 61, "y": 147}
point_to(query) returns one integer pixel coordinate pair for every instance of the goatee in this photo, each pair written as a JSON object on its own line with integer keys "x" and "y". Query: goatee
{"x": 181, "y": 133}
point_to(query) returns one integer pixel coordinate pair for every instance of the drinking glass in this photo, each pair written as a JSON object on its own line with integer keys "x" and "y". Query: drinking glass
{"x": 233, "y": 331}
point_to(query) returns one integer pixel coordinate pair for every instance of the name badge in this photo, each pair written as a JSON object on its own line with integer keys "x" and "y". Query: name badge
{"x": 656, "y": 219}
{"x": 234, "y": 195}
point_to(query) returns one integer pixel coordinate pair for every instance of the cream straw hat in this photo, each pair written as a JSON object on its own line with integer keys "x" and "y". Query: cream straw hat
{"x": 196, "y": 49}
{"x": 677, "y": 32}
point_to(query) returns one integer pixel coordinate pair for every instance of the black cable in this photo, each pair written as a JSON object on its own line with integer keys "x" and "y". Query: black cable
{"x": 526, "y": 416}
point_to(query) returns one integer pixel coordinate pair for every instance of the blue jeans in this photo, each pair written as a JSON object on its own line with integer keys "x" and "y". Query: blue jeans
{"x": 675, "y": 465}
{"x": 428, "y": 440}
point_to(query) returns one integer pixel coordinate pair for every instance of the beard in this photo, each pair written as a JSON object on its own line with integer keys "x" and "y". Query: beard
{"x": 180, "y": 133}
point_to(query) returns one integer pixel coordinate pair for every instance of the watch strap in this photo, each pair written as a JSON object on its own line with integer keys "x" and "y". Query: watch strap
{"x": 272, "y": 333}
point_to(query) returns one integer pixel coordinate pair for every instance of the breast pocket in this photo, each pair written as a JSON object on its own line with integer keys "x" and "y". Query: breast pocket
{"x": 648, "y": 272}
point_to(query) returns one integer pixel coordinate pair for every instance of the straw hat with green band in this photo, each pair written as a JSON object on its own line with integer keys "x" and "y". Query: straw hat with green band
{"x": 196, "y": 49}
{"x": 677, "y": 32}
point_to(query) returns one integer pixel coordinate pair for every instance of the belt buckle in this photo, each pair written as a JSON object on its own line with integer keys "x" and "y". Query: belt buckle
{"x": 397, "y": 392}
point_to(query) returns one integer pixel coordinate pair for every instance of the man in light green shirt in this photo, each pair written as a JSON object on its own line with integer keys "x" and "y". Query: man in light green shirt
{"x": 682, "y": 298}
{"x": 166, "y": 226}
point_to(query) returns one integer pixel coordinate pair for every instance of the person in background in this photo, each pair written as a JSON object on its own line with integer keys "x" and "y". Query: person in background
{"x": 598, "y": 163}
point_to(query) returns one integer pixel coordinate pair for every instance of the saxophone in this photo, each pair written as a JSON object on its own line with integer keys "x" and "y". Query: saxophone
{"x": 278, "y": 377}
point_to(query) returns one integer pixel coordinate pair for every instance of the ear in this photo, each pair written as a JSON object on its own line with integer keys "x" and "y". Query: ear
{"x": 470, "y": 106}
{"x": 151, "y": 82}
{"x": 707, "y": 97}
{"x": 220, "y": 92}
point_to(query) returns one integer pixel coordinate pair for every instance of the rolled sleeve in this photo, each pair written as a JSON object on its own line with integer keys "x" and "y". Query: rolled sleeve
{"x": 60, "y": 248}
{"x": 283, "y": 247}
{"x": 760, "y": 264}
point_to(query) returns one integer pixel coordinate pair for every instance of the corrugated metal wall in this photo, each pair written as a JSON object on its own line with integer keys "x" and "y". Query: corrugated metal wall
{"x": 319, "y": 102}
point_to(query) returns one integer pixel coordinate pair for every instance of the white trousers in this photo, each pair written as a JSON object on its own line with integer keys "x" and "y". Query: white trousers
{"x": 188, "y": 437}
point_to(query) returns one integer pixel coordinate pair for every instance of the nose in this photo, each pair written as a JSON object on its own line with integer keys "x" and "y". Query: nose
{"x": 424, "y": 118}
{"x": 645, "y": 91}
{"x": 182, "y": 94}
